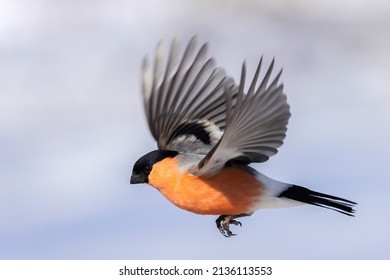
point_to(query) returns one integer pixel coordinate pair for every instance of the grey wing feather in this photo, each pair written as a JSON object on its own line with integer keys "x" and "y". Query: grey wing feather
{"x": 256, "y": 124}
{"x": 186, "y": 96}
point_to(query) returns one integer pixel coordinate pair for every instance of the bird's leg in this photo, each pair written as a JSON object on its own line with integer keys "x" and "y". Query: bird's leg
{"x": 224, "y": 221}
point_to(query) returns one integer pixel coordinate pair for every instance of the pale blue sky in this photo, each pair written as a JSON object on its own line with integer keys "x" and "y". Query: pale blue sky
{"x": 72, "y": 125}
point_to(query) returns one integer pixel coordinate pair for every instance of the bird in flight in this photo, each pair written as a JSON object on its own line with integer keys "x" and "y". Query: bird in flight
{"x": 208, "y": 130}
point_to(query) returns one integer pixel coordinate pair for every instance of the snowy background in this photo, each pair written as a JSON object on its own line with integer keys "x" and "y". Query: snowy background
{"x": 72, "y": 126}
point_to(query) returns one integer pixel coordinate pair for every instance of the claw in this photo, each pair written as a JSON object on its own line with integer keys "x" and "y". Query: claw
{"x": 223, "y": 223}
{"x": 236, "y": 223}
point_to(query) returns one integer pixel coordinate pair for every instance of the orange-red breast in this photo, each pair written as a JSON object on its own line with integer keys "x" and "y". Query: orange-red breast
{"x": 208, "y": 131}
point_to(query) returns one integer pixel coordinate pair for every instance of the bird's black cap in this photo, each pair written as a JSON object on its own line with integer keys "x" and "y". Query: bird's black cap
{"x": 144, "y": 165}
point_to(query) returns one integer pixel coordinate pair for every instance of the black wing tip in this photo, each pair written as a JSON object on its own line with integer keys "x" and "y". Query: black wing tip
{"x": 302, "y": 194}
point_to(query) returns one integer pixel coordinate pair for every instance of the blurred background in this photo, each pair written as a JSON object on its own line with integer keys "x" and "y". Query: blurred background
{"x": 72, "y": 126}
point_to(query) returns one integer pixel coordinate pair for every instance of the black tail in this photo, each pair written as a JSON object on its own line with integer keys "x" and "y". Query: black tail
{"x": 320, "y": 199}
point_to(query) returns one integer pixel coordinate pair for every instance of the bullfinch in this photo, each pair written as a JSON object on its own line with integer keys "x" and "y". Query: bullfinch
{"x": 208, "y": 130}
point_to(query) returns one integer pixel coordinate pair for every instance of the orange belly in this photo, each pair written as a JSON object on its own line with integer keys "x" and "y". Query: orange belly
{"x": 231, "y": 192}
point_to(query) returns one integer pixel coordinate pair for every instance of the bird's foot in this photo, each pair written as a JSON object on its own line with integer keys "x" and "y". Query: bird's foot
{"x": 223, "y": 224}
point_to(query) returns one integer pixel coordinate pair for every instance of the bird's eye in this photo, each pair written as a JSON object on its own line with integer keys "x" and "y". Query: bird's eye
{"x": 147, "y": 169}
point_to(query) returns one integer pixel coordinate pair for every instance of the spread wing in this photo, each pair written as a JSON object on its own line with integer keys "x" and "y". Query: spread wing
{"x": 256, "y": 124}
{"x": 185, "y": 102}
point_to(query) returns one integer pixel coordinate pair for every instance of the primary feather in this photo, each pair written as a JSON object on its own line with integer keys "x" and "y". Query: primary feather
{"x": 193, "y": 107}
{"x": 185, "y": 98}
{"x": 255, "y": 127}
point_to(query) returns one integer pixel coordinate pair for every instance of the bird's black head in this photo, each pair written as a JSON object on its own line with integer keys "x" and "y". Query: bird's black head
{"x": 144, "y": 165}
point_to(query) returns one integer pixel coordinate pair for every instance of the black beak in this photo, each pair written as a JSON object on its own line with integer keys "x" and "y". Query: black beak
{"x": 137, "y": 179}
